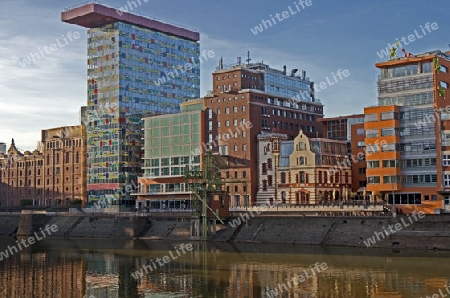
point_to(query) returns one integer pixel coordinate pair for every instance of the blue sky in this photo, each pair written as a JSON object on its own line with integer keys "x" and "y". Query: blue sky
{"x": 327, "y": 36}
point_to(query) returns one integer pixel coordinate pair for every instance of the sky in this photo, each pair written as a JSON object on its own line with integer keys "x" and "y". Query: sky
{"x": 322, "y": 38}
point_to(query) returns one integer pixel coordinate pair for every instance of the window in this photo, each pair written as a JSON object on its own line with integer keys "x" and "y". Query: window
{"x": 269, "y": 180}
{"x": 244, "y": 134}
{"x": 447, "y": 179}
{"x": 373, "y": 179}
{"x": 360, "y": 131}
{"x": 283, "y": 177}
{"x": 444, "y": 84}
{"x": 269, "y": 163}
{"x": 391, "y": 179}
{"x": 371, "y": 133}
{"x": 362, "y": 170}
{"x": 218, "y": 111}
{"x": 210, "y": 113}
{"x": 235, "y": 148}
{"x": 264, "y": 168}
{"x": 235, "y": 109}
{"x": 243, "y": 108}
{"x": 391, "y": 163}
{"x": 210, "y": 125}
{"x": 244, "y": 147}
{"x": 389, "y": 132}
{"x": 223, "y": 150}
{"x": 389, "y": 116}
{"x": 227, "y": 110}
{"x": 235, "y": 122}
{"x": 446, "y": 160}
{"x": 227, "y": 123}
{"x": 373, "y": 149}
{"x": 371, "y": 118}
{"x": 390, "y": 147}
{"x": 361, "y": 144}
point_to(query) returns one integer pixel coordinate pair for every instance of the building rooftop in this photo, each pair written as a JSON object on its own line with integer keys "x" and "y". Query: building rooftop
{"x": 95, "y": 15}
{"x": 260, "y": 67}
{"x": 414, "y": 58}
{"x": 340, "y": 117}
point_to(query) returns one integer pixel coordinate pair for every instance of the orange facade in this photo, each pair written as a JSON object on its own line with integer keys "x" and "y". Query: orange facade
{"x": 406, "y": 134}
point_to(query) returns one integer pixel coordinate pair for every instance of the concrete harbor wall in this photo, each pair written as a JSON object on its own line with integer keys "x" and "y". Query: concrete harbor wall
{"x": 430, "y": 232}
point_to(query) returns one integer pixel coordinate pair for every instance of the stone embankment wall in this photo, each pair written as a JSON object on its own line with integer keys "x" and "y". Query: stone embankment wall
{"x": 430, "y": 232}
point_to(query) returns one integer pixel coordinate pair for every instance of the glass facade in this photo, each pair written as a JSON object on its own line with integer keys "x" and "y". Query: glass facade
{"x": 172, "y": 142}
{"x": 290, "y": 87}
{"x": 133, "y": 72}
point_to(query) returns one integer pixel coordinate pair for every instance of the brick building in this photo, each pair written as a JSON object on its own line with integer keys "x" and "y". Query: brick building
{"x": 248, "y": 99}
{"x": 350, "y": 129}
{"x": 54, "y": 174}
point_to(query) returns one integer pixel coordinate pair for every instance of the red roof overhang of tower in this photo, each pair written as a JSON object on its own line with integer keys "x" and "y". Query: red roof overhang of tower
{"x": 96, "y": 15}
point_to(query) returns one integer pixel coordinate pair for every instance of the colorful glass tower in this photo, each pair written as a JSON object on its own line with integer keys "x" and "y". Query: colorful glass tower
{"x": 137, "y": 67}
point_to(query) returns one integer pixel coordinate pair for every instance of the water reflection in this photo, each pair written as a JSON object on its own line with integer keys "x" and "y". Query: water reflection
{"x": 76, "y": 268}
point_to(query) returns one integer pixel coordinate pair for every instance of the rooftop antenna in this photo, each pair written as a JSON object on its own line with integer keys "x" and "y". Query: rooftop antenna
{"x": 221, "y": 63}
{"x": 284, "y": 69}
{"x": 239, "y": 60}
{"x": 248, "y": 58}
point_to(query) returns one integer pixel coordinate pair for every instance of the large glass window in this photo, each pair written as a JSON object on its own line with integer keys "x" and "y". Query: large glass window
{"x": 372, "y": 164}
{"x": 373, "y": 179}
{"x": 404, "y": 199}
{"x": 393, "y": 163}
{"x": 371, "y": 118}
{"x": 371, "y": 133}
{"x": 389, "y": 131}
{"x": 389, "y": 116}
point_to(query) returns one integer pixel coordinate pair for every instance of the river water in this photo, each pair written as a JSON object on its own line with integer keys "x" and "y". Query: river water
{"x": 100, "y": 268}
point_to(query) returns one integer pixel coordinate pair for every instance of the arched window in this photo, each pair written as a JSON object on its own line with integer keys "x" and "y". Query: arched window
{"x": 48, "y": 159}
{"x": 320, "y": 176}
{"x": 325, "y": 177}
{"x": 336, "y": 177}
{"x": 77, "y": 158}
{"x": 57, "y": 157}
{"x": 67, "y": 157}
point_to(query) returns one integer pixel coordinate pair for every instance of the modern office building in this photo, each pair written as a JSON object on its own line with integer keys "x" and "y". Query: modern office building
{"x": 248, "y": 99}
{"x": 301, "y": 171}
{"x": 350, "y": 129}
{"x": 52, "y": 175}
{"x": 171, "y": 143}
{"x": 407, "y": 134}
{"x": 137, "y": 67}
